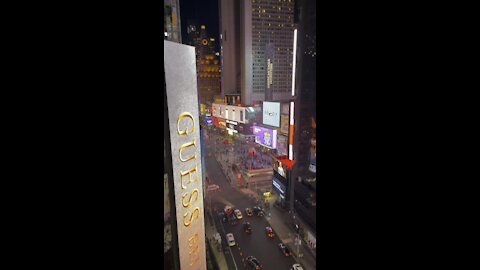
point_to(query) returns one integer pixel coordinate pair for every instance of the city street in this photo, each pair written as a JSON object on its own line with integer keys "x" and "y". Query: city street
{"x": 256, "y": 244}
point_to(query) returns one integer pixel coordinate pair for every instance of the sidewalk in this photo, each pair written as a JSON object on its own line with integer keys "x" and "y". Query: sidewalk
{"x": 218, "y": 255}
{"x": 279, "y": 222}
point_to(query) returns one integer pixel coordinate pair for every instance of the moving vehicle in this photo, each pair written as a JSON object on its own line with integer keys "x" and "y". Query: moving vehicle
{"x": 296, "y": 266}
{"x": 228, "y": 210}
{"x": 222, "y": 216}
{"x": 238, "y": 214}
{"x": 284, "y": 249}
{"x": 296, "y": 227}
{"x": 230, "y": 239}
{"x": 253, "y": 263}
{"x": 233, "y": 220}
{"x": 247, "y": 227}
{"x": 269, "y": 232}
{"x": 258, "y": 211}
{"x": 249, "y": 212}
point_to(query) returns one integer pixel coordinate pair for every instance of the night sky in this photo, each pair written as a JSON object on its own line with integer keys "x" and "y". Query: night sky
{"x": 203, "y": 12}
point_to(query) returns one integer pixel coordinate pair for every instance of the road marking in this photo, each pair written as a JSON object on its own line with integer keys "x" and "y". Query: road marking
{"x": 231, "y": 254}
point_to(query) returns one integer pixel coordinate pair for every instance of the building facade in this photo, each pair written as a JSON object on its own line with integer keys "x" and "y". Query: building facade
{"x": 171, "y": 21}
{"x": 248, "y": 29}
{"x": 208, "y": 63}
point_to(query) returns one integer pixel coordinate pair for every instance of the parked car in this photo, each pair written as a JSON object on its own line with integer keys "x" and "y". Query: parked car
{"x": 296, "y": 266}
{"x": 247, "y": 227}
{"x": 253, "y": 263}
{"x": 269, "y": 232}
{"x": 238, "y": 214}
{"x": 284, "y": 249}
{"x": 230, "y": 239}
{"x": 249, "y": 212}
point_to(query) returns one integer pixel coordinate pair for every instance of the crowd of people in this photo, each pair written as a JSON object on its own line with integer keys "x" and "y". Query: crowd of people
{"x": 246, "y": 154}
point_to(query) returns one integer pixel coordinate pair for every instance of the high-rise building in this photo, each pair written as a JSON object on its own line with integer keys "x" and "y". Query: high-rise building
{"x": 257, "y": 48}
{"x": 171, "y": 20}
{"x": 208, "y": 65}
{"x": 305, "y": 123}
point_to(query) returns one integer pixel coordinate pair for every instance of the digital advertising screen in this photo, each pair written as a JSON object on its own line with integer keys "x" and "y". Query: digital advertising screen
{"x": 265, "y": 136}
{"x": 278, "y": 167}
{"x": 271, "y": 113}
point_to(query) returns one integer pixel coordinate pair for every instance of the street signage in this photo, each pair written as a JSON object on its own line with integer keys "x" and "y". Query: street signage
{"x": 183, "y": 128}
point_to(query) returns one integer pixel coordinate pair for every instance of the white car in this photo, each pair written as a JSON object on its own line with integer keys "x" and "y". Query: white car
{"x": 238, "y": 214}
{"x": 230, "y": 239}
{"x": 297, "y": 267}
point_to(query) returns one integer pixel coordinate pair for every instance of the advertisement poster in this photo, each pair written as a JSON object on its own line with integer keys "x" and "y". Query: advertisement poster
{"x": 222, "y": 124}
{"x": 265, "y": 137}
{"x": 278, "y": 167}
{"x": 271, "y": 113}
{"x": 282, "y": 145}
{"x": 215, "y": 121}
{"x": 284, "y": 123}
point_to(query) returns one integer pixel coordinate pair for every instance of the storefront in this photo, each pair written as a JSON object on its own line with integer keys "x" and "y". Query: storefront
{"x": 232, "y": 127}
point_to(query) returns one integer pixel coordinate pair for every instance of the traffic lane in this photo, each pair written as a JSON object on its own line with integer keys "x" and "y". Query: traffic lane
{"x": 226, "y": 251}
{"x": 258, "y": 245}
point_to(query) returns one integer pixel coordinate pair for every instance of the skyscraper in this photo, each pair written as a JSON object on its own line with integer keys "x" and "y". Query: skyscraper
{"x": 247, "y": 29}
{"x": 171, "y": 20}
{"x": 208, "y": 66}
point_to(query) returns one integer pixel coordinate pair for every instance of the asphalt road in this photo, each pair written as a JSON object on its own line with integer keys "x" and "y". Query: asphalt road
{"x": 257, "y": 243}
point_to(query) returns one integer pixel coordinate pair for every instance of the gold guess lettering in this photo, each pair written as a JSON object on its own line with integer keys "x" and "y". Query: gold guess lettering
{"x": 186, "y": 145}
{"x": 195, "y": 191}
{"x": 196, "y": 210}
{"x": 185, "y": 131}
{"x": 193, "y": 249}
{"x": 190, "y": 180}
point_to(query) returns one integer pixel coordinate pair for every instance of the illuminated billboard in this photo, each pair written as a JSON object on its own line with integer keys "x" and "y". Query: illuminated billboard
{"x": 278, "y": 167}
{"x": 265, "y": 136}
{"x": 271, "y": 113}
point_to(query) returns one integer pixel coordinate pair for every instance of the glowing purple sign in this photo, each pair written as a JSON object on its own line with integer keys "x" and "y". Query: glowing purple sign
{"x": 265, "y": 136}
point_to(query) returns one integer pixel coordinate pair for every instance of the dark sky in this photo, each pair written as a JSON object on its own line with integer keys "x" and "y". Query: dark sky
{"x": 203, "y": 12}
